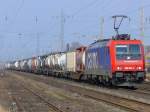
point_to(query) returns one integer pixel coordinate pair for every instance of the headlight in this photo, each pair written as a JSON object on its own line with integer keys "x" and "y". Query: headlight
{"x": 119, "y": 68}
{"x": 126, "y": 68}
{"x": 139, "y": 68}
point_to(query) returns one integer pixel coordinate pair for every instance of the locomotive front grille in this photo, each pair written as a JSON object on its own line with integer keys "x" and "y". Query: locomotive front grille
{"x": 121, "y": 77}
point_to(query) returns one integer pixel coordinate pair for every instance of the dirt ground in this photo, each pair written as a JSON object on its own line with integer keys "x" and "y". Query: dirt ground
{"x": 148, "y": 76}
{"x": 13, "y": 98}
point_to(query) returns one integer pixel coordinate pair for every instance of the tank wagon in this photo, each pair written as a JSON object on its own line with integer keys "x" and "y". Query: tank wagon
{"x": 116, "y": 61}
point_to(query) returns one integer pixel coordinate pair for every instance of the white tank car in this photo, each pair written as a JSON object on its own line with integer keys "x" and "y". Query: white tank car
{"x": 56, "y": 64}
{"x": 38, "y": 62}
{"x": 49, "y": 61}
{"x": 83, "y": 58}
{"x": 29, "y": 63}
{"x": 55, "y": 59}
{"x": 43, "y": 61}
{"x": 8, "y": 65}
{"x": 52, "y": 60}
{"x": 17, "y": 64}
{"x": 13, "y": 65}
{"x": 22, "y": 65}
{"x": 25, "y": 65}
{"x": 62, "y": 61}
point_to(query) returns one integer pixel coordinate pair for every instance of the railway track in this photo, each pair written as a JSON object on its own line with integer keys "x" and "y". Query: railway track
{"x": 18, "y": 106}
{"x": 52, "y": 107}
{"x": 144, "y": 88}
{"x": 142, "y": 91}
{"x": 121, "y": 102}
{"x": 112, "y": 103}
{"x": 117, "y": 101}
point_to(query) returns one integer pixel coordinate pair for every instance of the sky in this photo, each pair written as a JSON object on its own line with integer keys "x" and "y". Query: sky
{"x": 22, "y": 21}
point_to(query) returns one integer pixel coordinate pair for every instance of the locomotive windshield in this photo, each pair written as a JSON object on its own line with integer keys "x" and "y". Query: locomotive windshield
{"x": 128, "y": 52}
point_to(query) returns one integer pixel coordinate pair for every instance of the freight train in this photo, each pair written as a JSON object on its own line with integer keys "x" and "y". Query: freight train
{"x": 117, "y": 61}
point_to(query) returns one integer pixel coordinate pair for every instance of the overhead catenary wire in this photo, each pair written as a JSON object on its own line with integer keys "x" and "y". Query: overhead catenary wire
{"x": 137, "y": 10}
{"x": 85, "y": 7}
{"x": 103, "y": 5}
{"x": 18, "y": 11}
{"x": 21, "y": 6}
{"x": 80, "y": 11}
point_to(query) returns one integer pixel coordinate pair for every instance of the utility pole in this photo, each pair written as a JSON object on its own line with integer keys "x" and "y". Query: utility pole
{"x": 62, "y": 31}
{"x": 37, "y": 49}
{"x": 37, "y": 37}
{"x": 101, "y": 28}
{"x": 142, "y": 22}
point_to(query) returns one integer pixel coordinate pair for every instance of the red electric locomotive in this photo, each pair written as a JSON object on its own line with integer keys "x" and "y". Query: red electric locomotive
{"x": 127, "y": 59}
{"x": 117, "y": 61}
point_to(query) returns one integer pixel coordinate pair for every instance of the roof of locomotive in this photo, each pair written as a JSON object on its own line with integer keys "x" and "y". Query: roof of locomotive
{"x": 117, "y": 38}
{"x": 133, "y": 41}
{"x": 103, "y": 40}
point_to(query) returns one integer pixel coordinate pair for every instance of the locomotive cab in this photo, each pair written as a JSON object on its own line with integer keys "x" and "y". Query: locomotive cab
{"x": 127, "y": 61}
